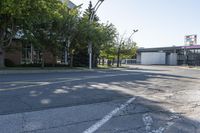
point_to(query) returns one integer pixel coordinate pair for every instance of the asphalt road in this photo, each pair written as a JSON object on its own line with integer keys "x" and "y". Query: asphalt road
{"x": 137, "y": 99}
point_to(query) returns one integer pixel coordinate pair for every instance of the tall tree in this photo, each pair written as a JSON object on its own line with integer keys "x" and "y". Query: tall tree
{"x": 41, "y": 25}
{"x": 50, "y": 25}
{"x": 96, "y": 33}
{"x": 88, "y": 12}
{"x": 69, "y": 29}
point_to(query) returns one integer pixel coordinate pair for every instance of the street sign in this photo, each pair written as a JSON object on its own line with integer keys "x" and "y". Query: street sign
{"x": 90, "y": 48}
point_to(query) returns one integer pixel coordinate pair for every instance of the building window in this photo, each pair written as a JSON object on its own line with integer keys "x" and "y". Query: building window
{"x": 37, "y": 56}
{"x": 26, "y": 54}
{"x": 30, "y": 55}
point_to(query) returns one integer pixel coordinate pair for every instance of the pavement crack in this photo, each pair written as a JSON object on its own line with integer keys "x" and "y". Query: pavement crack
{"x": 28, "y": 105}
{"x": 23, "y": 121}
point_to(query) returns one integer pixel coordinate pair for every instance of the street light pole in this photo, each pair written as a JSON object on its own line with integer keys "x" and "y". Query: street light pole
{"x": 134, "y": 31}
{"x": 91, "y": 19}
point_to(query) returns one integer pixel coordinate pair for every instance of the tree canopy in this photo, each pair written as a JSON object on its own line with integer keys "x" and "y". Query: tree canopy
{"x": 50, "y": 25}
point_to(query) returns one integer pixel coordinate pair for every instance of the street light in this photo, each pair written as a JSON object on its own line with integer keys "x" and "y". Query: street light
{"x": 91, "y": 19}
{"x": 134, "y": 31}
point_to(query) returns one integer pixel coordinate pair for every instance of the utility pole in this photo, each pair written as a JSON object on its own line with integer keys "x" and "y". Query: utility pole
{"x": 91, "y": 19}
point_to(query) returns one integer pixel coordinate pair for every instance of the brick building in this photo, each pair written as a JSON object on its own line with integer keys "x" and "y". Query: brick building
{"x": 26, "y": 53}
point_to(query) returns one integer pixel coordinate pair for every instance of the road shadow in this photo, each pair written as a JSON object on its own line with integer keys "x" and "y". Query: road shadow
{"x": 146, "y": 86}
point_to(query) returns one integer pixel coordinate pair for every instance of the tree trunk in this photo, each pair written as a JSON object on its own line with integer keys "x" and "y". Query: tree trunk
{"x": 2, "y": 53}
{"x": 43, "y": 58}
{"x": 3, "y": 28}
{"x": 54, "y": 60}
{"x": 2, "y": 57}
{"x": 94, "y": 60}
{"x": 71, "y": 59}
{"x": 103, "y": 61}
{"x": 118, "y": 57}
{"x": 99, "y": 61}
{"x": 113, "y": 60}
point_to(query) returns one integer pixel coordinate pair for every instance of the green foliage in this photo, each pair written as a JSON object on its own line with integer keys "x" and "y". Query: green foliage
{"x": 121, "y": 48}
{"x": 50, "y": 26}
{"x": 24, "y": 15}
{"x": 88, "y": 13}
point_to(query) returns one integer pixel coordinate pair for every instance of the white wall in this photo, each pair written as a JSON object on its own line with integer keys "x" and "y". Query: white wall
{"x": 172, "y": 59}
{"x": 138, "y": 58}
{"x": 153, "y": 58}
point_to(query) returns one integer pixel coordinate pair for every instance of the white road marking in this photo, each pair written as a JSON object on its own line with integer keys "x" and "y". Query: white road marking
{"x": 100, "y": 123}
{"x": 148, "y": 122}
{"x": 63, "y": 81}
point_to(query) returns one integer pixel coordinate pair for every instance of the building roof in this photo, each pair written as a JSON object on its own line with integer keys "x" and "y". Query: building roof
{"x": 168, "y": 48}
{"x": 192, "y": 47}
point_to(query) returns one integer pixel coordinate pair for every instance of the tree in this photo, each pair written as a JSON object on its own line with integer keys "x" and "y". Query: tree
{"x": 120, "y": 42}
{"x": 107, "y": 49}
{"x": 128, "y": 51}
{"x": 88, "y": 13}
{"x": 30, "y": 20}
{"x": 121, "y": 48}
{"x": 126, "y": 48}
{"x": 49, "y": 25}
{"x": 11, "y": 16}
{"x": 41, "y": 25}
{"x": 69, "y": 31}
{"x": 96, "y": 33}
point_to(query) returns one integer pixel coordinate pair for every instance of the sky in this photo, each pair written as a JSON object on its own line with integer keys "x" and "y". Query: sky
{"x": 161, "y": 23}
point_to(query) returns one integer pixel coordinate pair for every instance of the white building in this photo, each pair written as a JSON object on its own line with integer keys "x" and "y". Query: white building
{"x": 180, "y": 55}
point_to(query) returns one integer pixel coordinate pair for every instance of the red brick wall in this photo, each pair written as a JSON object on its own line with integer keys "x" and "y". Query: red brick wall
{"x": 49, "y": 58}
{"x": 14, "y": 53}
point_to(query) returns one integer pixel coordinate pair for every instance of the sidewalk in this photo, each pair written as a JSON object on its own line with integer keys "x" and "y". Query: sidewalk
{"x": 39, "y": 70}
{"x": 48, "y": 70}
{"x": 190, "y": 67}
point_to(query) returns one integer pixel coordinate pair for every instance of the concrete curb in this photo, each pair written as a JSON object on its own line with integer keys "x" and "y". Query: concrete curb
{"x": 190, "y": 68}
{"x": 21, "y": 71}
{"x": 39, "y": 71}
